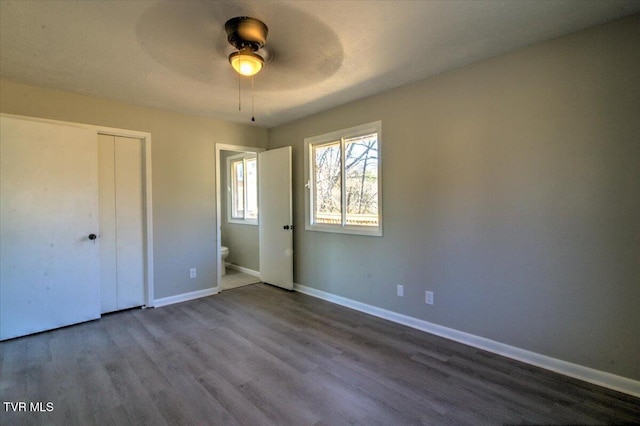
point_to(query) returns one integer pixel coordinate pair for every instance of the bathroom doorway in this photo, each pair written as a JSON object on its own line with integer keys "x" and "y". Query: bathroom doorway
{"x": 237, "y": 216}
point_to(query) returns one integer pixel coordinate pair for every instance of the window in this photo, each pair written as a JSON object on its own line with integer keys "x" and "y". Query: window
{"x": 344, "y": 181}
{"x": 242, "y": 188}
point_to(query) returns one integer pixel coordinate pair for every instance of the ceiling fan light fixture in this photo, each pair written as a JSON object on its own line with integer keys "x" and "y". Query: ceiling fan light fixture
{"x": 248, "y": 35}
{"x": 246, "y": 62}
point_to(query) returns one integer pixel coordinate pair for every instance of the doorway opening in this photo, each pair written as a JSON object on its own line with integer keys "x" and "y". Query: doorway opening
{"x": 237, "y": 219}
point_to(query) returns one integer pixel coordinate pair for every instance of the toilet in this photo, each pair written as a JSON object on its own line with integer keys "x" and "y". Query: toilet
{"x": 224, "y": 252}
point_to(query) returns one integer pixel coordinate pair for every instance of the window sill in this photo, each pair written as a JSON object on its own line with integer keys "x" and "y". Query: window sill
{"x": 242, "y": 222}
{"x": 349, "y": 230}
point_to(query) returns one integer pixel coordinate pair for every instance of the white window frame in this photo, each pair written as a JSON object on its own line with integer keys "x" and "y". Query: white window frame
{"x": 243, "y": 156}
{"x": 341, "y": 135}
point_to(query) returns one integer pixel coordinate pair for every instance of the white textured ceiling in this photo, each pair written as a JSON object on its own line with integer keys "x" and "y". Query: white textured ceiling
{"x": 173, "y": 54}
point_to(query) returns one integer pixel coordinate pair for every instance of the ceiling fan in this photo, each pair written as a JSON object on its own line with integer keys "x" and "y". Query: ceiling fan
{"x": 190, "y": 38}
{"x": 247, "y": 35}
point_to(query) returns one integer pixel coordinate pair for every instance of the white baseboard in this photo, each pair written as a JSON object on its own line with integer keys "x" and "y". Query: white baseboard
{"x": 184, "y": 297}
{"x": 242, "y": 269}
{"x": 597, "y": 377}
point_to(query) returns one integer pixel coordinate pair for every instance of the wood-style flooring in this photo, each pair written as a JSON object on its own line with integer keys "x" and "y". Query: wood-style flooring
{"x": 259, "y": 355}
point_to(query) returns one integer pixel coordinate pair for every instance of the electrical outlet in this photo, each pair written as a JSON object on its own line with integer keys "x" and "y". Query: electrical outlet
{"x": 192, "y": 273}
{"x": 400, "y": 289}
{"x": 428, "y": 297}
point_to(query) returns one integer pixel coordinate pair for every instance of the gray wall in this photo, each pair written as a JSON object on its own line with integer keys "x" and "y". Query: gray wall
{"x": 511, "y": 190}
{"x": 242, "y": 240}
{"x": 183, "y": 157}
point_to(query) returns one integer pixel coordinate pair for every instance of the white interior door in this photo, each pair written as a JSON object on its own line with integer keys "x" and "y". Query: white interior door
{"x": 121, "y": 222}
{"x": 276, "y": 226}
{"x": 49, "y": 268}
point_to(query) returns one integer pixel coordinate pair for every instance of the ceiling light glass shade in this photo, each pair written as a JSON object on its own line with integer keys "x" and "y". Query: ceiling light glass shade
{"x": 246, "y": 62}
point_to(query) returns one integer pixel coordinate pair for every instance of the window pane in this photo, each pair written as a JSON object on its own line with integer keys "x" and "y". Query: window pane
{"x": 361, "y": 180}
{"x": 343, "y": 169}
{"x": 237, "y": 190}
{"x": 252, "y": 189}
{"x": 327, "y": 189}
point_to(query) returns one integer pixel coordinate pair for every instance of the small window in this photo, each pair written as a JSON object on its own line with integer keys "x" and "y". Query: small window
{"x": 344, "y": 181}
{"x": 242, "y": 187}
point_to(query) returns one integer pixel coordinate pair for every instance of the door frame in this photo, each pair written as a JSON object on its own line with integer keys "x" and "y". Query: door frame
{"x": 235, "y": 148}
{"x": 147, "y": 220}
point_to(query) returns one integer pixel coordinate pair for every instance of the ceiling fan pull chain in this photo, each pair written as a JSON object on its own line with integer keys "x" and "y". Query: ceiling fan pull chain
{"x": 253, "y": 109}
{"x": 239, "y": 102}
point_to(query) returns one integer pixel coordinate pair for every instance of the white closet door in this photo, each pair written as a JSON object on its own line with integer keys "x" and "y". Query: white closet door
{"x": 49, "y": 268}
{"x": 108, "y": 278}
{"x": 129, "y": 248}
{"x": 121, "y": 223}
